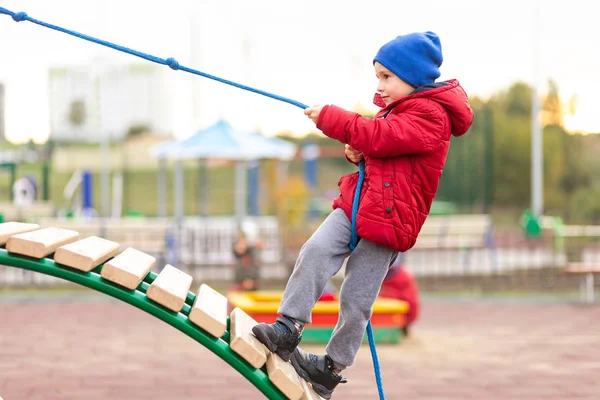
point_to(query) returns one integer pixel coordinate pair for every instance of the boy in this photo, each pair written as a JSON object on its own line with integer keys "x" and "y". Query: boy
{"x": 404, "y": 148}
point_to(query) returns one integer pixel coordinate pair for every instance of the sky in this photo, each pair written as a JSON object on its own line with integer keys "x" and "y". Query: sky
{"x": 314, "y": 51}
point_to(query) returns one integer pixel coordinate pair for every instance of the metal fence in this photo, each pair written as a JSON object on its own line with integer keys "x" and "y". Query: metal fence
{"x": 451, "y": 251}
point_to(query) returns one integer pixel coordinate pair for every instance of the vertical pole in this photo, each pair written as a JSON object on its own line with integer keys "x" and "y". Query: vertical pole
{"x": 253, "y": 184}
{"x": 105, "y": 179}
{"x": 203, "y": 188}
{"x": 125, "y": 206}
{"x": 241, "y": 196}
{"x": 310, "y": 153}
{"x": 589, "y": 280}
{"x": 178, "y": 191}
{"x": 117, "y": 199}
{"x": 537, "y": 160}
{"x": 13, "y": 178}
{"x": 488, "y": 126}
{"x": 161, "y": 186}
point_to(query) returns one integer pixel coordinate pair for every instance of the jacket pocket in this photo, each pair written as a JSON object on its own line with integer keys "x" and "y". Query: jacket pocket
{"x": 347, "y": 184}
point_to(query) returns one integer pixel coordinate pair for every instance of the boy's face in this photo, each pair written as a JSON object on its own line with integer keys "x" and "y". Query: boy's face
{"x": 390, "y": 87}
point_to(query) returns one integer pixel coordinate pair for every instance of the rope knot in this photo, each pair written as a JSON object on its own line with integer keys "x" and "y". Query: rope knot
{"x": 20, "y": 16}
{"x": 172, "y": 63}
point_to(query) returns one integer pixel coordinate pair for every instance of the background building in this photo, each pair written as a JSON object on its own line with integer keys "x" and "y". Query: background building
{"x": 94, "y": 102}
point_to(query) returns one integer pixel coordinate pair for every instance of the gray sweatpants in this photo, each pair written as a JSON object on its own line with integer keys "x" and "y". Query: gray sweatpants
{"x": 320, "y": 258}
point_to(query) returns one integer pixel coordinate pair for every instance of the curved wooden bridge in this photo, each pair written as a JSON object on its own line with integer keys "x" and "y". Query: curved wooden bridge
{"x": 127, "y": 275}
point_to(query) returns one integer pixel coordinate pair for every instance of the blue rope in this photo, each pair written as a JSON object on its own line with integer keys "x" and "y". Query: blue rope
{"x": 356, "y": 200}
{"x": 375, "y": 359}
{"x": 173, "y": 64}
{"x": 353, "y": 243}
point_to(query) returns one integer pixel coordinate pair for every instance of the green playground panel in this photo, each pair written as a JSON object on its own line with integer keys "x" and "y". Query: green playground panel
{"x": 314, "y": 335}
{"x": 138, "y": 299}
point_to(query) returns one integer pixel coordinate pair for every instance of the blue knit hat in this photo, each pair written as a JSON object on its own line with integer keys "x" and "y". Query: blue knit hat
{"x": 415, "y": 57}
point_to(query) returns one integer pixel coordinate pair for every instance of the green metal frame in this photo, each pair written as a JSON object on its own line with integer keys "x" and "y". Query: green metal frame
{"x": 138, "y": 299}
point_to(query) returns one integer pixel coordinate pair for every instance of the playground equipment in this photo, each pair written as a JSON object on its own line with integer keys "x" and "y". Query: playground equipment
{"x": 388, "y": 319}
{"x": 96, "y": 263}
{"x": 24, "y": 191}
{"x": 80, "y": 202}
{"x": 28, "y": 196}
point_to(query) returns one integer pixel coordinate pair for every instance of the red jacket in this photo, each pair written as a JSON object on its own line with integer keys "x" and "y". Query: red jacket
{"x": 404, "y": 152}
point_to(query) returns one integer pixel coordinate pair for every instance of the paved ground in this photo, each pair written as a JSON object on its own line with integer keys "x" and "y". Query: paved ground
{"x": 94, "y": 349}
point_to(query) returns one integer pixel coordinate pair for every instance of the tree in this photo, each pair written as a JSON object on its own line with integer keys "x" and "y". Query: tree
{"x": 552, "y": 112}
{"x": 512, "y": 145}
{"x": 584, "y": 205}
{"x": 579, "y": 157}
{"x": 516, "y": 101}
{"x": 555, "y": 199}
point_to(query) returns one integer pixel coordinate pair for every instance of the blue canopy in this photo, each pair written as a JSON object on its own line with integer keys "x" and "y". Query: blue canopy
{"x": 219, "y": 141}
{"x": 222, "y": 141}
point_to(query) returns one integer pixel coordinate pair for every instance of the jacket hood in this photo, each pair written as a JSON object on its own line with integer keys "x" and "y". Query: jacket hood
{"x": 448, "y": 94}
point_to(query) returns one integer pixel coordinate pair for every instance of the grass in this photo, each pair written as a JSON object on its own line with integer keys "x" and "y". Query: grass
{"x": 140, "y": 185}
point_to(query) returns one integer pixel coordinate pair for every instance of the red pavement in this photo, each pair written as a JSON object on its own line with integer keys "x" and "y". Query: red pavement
{"x": 464, "y": 350}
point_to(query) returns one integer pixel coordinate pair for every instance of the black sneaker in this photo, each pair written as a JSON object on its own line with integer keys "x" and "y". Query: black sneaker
{"x": 318, "y": 371}
{"x": 281, "y": 338}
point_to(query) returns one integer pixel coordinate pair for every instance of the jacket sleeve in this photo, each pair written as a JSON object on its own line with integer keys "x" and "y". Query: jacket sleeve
{"x": 416, "y": 130}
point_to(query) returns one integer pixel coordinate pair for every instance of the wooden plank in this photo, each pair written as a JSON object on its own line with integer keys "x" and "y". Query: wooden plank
{"x": 86, "y": 254}
{"x": 8, "y": 229}
{"x": 129, "y": 268}
{"x": 243, "y": 342}
{"x": 170, "y": 288}
{"x": 210, "y": 311}
{"x": 284, "y": 377}
{"x": 40, "y": 243}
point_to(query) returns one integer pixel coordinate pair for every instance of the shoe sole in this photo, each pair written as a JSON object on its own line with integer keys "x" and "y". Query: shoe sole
{"x": 264, "y": 339}
{"x": 318, "y": 388}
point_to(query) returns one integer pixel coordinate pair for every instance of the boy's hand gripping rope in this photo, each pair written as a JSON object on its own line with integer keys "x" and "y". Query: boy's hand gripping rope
{"x": 173, "y": 64}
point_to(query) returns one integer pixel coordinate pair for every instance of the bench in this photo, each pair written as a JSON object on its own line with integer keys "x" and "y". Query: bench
{"x": 96, "y": 263}
{"x": 457, "y": 233}
{"x": 587, "y": 283}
